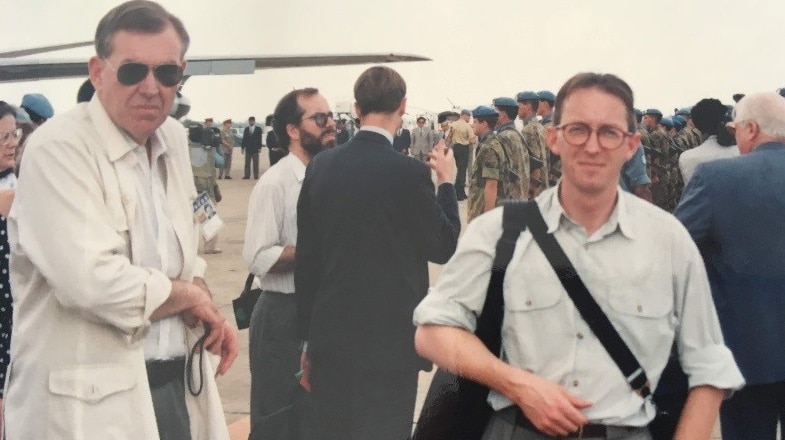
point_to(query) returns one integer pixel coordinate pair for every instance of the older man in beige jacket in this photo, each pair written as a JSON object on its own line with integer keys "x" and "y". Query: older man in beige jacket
{"x": 104, "y": 269}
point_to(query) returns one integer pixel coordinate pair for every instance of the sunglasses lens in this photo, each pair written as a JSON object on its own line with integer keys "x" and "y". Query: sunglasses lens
{"x": 131, "y": 73}
{"x": 169, "y": 75}
{"x": 321, "y": 119}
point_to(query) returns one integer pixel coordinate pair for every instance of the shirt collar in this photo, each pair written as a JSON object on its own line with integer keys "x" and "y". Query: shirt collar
{"x": 505, "y": 125}
{"x": 298, "y": 167}
{"x": 553, "y": 211}
{"x": 378, "y": 130}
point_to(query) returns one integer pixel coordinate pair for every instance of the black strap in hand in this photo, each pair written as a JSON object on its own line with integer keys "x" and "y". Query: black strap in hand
{"x": 587, "y": 306}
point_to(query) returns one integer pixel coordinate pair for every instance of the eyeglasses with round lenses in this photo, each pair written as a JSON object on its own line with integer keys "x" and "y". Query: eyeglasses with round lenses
{"x": 608, "y": 136}
{"x": 320, "y": 119}
{"x": 5, "y": 138}
{"x": 129, "y": 74}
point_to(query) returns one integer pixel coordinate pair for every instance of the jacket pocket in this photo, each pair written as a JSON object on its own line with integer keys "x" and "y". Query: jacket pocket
{"x": 92, "y": 401}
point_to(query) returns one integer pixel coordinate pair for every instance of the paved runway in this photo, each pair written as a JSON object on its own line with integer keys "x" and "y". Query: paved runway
{"x": 226, "y": 273}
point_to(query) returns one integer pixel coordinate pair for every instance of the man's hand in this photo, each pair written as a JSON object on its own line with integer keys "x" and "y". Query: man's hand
{"x": 228, "y": 349}
{"x": 305, "y": 371}
{"x": 208, "y": 314}
{"x": 550, "y": 407}
{"x": 440, "y": 159}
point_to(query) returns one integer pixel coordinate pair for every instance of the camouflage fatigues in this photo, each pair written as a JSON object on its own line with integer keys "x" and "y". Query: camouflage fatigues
{"x": 658, "y": 146}
{"x": 696, "y": 135}
{"x": 554, "y": 161}
{"x": 512, "y": 141}
{"x": 490, "y": 163}
{"x": 534, "y": 140}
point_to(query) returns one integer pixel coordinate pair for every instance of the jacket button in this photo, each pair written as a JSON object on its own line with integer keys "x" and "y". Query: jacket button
{"x": 528, "y": 302}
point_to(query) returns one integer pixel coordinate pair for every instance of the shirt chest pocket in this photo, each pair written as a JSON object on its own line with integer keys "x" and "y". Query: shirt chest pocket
{"x": 649, "y": 298}
{"x": 532, "y": 293}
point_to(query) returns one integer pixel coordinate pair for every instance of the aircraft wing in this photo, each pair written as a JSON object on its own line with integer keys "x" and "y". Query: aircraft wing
{"x": 16, "y": 69}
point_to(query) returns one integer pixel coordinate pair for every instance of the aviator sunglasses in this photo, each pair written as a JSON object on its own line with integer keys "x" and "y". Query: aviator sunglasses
{"x": 169, "y": 75}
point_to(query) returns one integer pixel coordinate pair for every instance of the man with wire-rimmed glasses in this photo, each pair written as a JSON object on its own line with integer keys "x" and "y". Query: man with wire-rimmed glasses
{"x": 555, "y": 377}
{"x": 108, "y": 288}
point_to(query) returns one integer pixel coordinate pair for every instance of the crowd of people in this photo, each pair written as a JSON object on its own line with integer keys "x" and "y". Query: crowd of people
{"x": 671, "y": 224}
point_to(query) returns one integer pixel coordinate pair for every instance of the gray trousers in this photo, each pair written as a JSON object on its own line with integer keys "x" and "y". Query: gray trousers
{"x": 274, "y": 351}
{"x": 502, "y": 427}
{"x": 171, "y": 414}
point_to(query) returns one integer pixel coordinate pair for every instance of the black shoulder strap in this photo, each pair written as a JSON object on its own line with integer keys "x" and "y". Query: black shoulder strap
{"x": 587, "y": 306}
{"x": 489, "y": 323}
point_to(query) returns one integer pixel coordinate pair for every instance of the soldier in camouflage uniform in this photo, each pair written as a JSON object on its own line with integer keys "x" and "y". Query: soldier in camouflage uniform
{"x": 695, "y": 134}
{"x": 659, "y": 147}
{"x": 547, "y": 99}
{"x": 684, "y": 138}
{"x": 545, "y": 109}
{"x": 674, "y": 183}
{"x": 490, "y": 166}
{"x": 512, "y": 142}
{"x": 534, "y": 140}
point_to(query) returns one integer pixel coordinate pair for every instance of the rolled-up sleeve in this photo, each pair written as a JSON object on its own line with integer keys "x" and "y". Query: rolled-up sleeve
{"x": 459, "y": 294}
{"x": 702, "y": 352}
{"x": 262, "y": 247}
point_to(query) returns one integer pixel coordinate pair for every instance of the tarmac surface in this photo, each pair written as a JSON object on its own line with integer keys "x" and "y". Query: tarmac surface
{"x": 226, "y": 274}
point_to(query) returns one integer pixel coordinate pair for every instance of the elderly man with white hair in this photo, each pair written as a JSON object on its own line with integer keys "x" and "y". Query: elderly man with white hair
{"x": 734, "y": 210}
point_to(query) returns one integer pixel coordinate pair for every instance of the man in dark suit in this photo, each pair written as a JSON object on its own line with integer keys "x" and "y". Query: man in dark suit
{"x": 251, "y": 144}
{"x": 402, "y": 140}
{"x": 368, "y": 222}
{"x": 734, "y": 210}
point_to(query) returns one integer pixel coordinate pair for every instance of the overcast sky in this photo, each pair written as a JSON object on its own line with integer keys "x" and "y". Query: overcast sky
{"x": 673, "y": 54}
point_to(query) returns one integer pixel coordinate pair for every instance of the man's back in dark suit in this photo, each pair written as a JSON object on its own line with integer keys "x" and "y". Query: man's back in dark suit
{"x": 368, "y": 222}
{"x": 402, "y": 140}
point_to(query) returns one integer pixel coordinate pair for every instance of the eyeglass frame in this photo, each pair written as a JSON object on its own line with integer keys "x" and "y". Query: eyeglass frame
{"x": 315, "y": 116}
{"x": 592, "y": 130}
{"x": 150, "y": 67}
{"x": 5, "y": 138}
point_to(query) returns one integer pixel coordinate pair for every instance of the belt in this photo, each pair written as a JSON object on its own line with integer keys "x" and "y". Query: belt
{"x": 160, "y": 373}
{"x": 588, "y": 431}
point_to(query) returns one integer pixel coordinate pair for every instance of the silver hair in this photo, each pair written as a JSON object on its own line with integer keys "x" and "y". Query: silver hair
{"x": 767, "y": 109}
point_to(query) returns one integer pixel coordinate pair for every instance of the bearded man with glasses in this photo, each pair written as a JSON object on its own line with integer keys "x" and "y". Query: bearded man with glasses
{"x": 105, "y": 273}
{"x": 639, "y": 265}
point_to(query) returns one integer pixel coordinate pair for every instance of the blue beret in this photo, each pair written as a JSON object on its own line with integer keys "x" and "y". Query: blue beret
{"x": 679, "y": 121}
{"x": 484, "y": 111}
{"x": 668, "y": 122}
{"x": 505, "y": 102}
{"x": 527, "y": 96}
{"x": 637, "y": 112}
{"x": 684, "y": 111}
{"x": 546, "y": 95}
{"x": 781, "y": 92}
{"x": 38, "y": 104}
{"x": 22, "y": 116}
{"x": 653, "y": 111}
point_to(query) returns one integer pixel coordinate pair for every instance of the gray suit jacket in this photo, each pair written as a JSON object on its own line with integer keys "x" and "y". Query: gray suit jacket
{"x": 422, "y": 140}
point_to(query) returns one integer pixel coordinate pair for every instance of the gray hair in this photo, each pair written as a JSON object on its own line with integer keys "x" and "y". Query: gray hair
{"x": 767, "y": 109}
{"x": 139, "y": 16}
